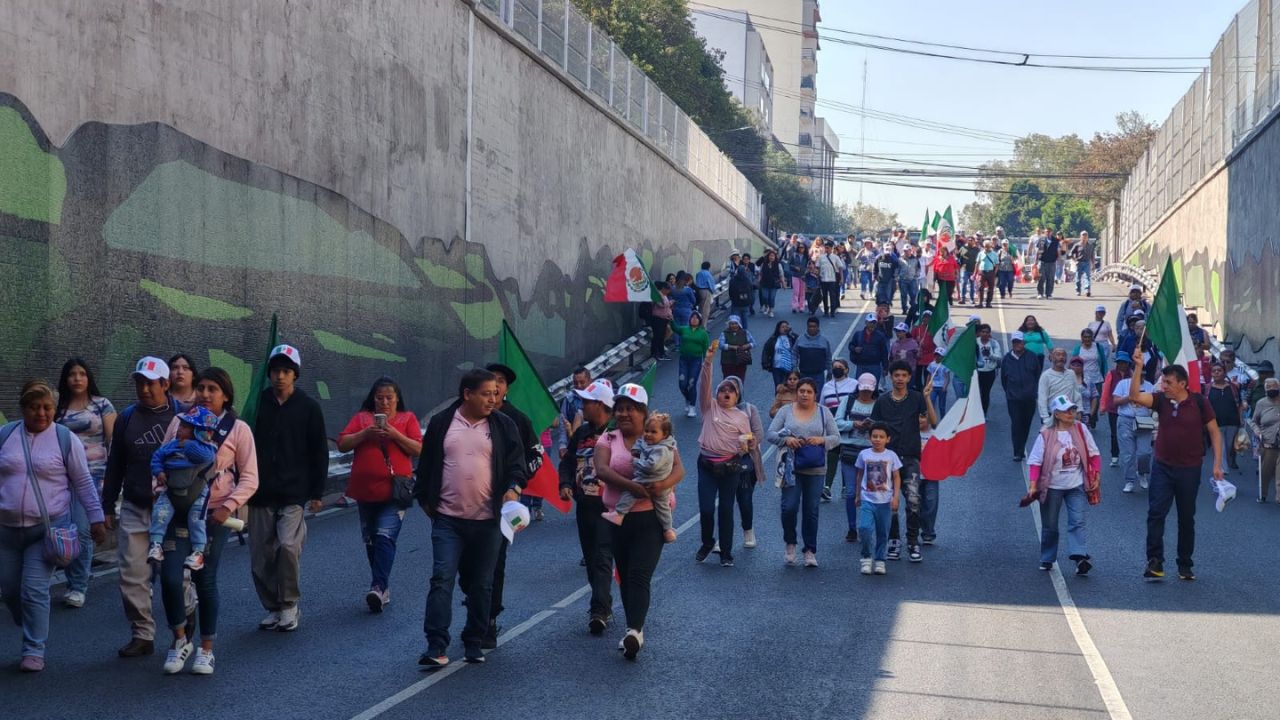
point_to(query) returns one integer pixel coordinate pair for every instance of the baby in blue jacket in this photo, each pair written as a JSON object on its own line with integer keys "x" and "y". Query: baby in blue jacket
{"x": 191, "y": 447}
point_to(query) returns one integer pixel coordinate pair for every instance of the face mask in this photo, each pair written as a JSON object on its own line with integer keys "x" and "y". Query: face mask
{"x": 839, "y": 372}
{"x": 1273, "y": 394}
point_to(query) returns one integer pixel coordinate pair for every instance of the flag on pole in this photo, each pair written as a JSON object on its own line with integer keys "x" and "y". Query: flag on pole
{"x": 650, "y": 375}
{"x": 946, "y": 228}
{"x": 249, "y": 411}
{"x": 1168, "y": 329}
{"x": 924, "y": 229}
{"x": 529, "y": 395}
{"x": 940, "y": 320}
{"x": 629, "y": 281}
{"x": 957, "y": 441}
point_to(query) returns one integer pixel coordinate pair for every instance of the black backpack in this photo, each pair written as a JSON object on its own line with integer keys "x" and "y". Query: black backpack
{"x": 740, "y": 291}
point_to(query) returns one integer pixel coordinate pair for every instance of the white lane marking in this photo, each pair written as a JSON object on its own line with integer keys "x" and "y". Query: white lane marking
{"x": 1106, "y": 684}
{"x": 438, "y": 675}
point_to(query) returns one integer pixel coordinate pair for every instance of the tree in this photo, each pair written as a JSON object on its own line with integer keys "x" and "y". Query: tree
{"x": 979, "y": 216}
{"x": 871, "y": 218}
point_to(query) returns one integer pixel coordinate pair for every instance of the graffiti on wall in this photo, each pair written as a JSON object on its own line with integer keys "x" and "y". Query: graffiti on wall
{"x": 138, "y": 239}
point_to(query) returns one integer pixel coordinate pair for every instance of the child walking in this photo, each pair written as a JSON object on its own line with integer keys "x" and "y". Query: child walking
{"x": 879, "y": 483}
{"x": 191, "y": 449}
{"x": 940, "y": 380}
{"x": 654, "y": 457}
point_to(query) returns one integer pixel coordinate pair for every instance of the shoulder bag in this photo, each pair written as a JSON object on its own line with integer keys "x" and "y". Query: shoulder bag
{"x": 61, "y": 544}
{"x": 401, "y": 485}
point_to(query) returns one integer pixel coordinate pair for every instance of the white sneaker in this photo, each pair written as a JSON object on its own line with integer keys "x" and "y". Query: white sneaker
{"x": 790, "y": 555}
{"x": 74, "y": 599}
{"x": 271, "y": 621}
{"x": 716, "y": 548}
{"x": 1115, "y": 462}
{"x": 691, "y": 411}
{"x": 810, "y": 560}
{"x": 176, "y": 659}
{"x": 1143, "y": 481}
{"x": 881, "y": 569}
{"x": 748, "y": 538}
{"x": 631, "y": 643}
{"x": 866, "y": 566}
{"x": 1128, "y": 487}
{"x": 288, "y": 619}
{"x": 203, "y": 664}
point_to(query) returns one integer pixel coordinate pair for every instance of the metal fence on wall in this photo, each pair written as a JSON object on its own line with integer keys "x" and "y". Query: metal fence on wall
{"x": 1230, "y": 97}
{"x": 562, "y": 35}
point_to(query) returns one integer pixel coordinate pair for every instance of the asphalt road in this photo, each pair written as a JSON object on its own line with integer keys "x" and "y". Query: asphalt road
{"x": 975, "y": 631}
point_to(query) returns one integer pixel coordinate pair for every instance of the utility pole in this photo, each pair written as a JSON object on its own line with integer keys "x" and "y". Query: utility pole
{"x": 862, "y": 134}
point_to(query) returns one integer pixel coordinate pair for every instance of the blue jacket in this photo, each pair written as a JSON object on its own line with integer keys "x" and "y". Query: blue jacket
{"x": 684, "y": 301}
{"x": 874, "y": 349}
{"x": 1020, "y": 377}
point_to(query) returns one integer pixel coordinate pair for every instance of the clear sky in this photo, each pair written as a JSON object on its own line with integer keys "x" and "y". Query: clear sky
{"x": 1009, "y": 100}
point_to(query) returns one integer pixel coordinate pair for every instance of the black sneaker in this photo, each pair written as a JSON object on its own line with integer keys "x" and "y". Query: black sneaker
{"x": 1017, "y": 458}
{"x": 1046, "y": 566}
{"x": 473, "y": 654}
{"x": 826, "y": 495}
{"x": 1186, "y": 573}
{"x": 895, "y": 550}
{"x": 490, "y": 640}
{"x": 702, "y": 553}
{"x": 598, "y": 624}
{"x": 1083, "y": 566}
{"x": 1155, "y": 570}
{"x": 432, "y": 659}
{"x": 913, "y": 553}
{"x": 726, "y": 560}
{"x": 927, "y": 539}
{"x": 851, "y": 536}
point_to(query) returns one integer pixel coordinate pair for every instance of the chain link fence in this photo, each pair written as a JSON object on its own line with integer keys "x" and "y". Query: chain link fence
{"x": 566, "y": 39}
{"x": 1228, "y": 100}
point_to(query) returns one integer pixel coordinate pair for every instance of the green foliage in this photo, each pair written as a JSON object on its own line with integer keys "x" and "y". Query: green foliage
{"x": 1027, "y": 207}
{"x": 658, "y": 37}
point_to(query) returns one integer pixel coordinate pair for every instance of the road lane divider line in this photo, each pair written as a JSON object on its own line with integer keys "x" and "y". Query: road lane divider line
{"x": 1117, "y": 709}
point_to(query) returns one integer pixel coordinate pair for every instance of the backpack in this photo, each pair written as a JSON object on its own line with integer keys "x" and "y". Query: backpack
{"x": 740, "y": 291}
{"x": 64, "y": 439}
{"x": 766, "y": 355}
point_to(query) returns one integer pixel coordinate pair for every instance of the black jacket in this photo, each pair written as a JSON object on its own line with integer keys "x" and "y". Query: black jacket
{"x": 293, "y": 450}
{"x": 766, "y": 357}
{"x": 508, "y": 459}
{"x": 1020, "y": 377}
{"x": 529, "y": 441}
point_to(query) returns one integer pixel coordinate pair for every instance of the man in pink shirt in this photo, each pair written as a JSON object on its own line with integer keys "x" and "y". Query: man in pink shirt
{"x": 472, "y": 462}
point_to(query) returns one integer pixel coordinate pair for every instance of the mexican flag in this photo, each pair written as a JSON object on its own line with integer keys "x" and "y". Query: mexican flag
{"x": 1168, "y": 329}
{"x": 924, "y": 229}
{"x": 249, "y": 407}
{"x": 629, "y": 281}
{"x": 946, "y": 228}
{"x": 958, "y": 439}
{"x": 939, "y": 321}
{"x": 529, "y": 395}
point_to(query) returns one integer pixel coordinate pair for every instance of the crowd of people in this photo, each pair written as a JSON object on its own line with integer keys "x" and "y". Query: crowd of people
{"x": 176, "y": 471}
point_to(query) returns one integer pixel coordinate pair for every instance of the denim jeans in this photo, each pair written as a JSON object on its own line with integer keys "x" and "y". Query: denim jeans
{"x": 968, "y": 288}
{"x": 379, "y": 528}
{"x": 1134, "y": 444}
{"x": 1169, "y": 485}
{"x": 884, "y": 291}
{"x": 866, "y": 283}
{"x": 1050, "y": 513}
{"x": 468, "y": 548}
{"x": 960, "y": 386}
{"x": 742, "y": 311}
{"x": 162, "y": 514}
{"x": 1004, "y": 282}
{"x": 1045, "y": 283}
{"x": 80, "y": 569}
{"x": 938, "y": 396}
{"x": 768, "y": 297}
{"x": 713, "y": 486}
{"x": 637, "y": 546}
{"x": 929, "y": 492}
{"x": 595, "y": 537}
{"x": 909, "y": 290}
{"x": 804, "y": 494}
{"x": 873, "y": 524}
{"x": 849, "y": 474}
{"x": 1084, "y": 276}
{"x": 911, "y": 483}
{"x": 173, "y": 592}
{"x": 690, "y": 371}
{"x": 24, "y": 582}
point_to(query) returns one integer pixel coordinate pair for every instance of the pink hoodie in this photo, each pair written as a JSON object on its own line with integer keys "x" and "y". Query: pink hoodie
{"x": 238, "y": 452}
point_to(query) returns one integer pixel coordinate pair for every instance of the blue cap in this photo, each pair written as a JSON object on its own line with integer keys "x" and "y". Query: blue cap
{"x": 1123, "y": 356}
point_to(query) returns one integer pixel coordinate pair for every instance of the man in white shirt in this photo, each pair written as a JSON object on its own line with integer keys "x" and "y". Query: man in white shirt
{"x": 1056, "y": 380}
{"x": 1133, "y": 425}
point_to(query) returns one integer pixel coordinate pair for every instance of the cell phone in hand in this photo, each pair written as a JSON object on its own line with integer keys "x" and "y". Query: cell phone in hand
{"x": 380, "y": 420}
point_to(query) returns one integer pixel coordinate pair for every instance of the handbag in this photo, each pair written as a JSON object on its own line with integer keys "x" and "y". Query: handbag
{"x": 732, "y": 466}
{"x": 61, "y": 544}
{"x": 809, "y": 457}
{"x": 401, "y": 485}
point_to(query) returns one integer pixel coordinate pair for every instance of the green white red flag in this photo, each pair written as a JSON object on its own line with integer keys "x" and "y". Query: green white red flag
{"x": 1168, "y": 328}
{"x": 629, "y": 281}
{"x": 957, "y": 441}
{"x": 529, "y": 395}
{"x": 946, "y": 229}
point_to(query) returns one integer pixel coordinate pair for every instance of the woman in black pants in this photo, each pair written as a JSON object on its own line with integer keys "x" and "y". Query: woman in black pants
{"x": 637, "y": 542}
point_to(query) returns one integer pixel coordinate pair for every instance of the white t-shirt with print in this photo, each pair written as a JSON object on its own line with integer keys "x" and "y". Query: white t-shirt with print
{"x": 877, "y": 474}
{"x": 1069, "y": 472}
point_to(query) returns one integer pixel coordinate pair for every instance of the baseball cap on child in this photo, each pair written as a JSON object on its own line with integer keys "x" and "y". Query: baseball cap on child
{"x": 600, "y": 390}
{"x": 901, "y": 327}
{"x": 1062, "y": 403}
{"x": 287, "y": 351}
{"x": 515, "y": 517}
{"x": 871, "y": 317}
{"x": 199, "y": 418}
{"x": 866, "y": 381}
{"x": 152, "y": 368}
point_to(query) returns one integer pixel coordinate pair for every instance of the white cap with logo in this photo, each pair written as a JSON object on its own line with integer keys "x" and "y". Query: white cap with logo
{"x": 600, "y": 390}
{"x": 152, "y": 368}
{"x": 633, "y": 392}
{"x": 287, "y": 351}
{"x": 1062, "y": 403}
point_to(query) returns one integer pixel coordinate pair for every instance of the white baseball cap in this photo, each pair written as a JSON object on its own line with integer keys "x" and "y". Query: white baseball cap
{"x": 871, "y": 317}
{"x": 866, "y": 381}
{"x": 1100, "y": 308}
{"x": 152, "y": 368}
{"x": 633, "y": 392}
{"x": 287, "y": 351}
{"x": 515, "y": 517}
{"x": 975, "y": 318}
{"x": 1017, "y": 336}
{"x": 1062, "y": 403}
{"x": 901, "y": 327}
{"x": 1135, "y": 286}
{"x": 600, "y": 390}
